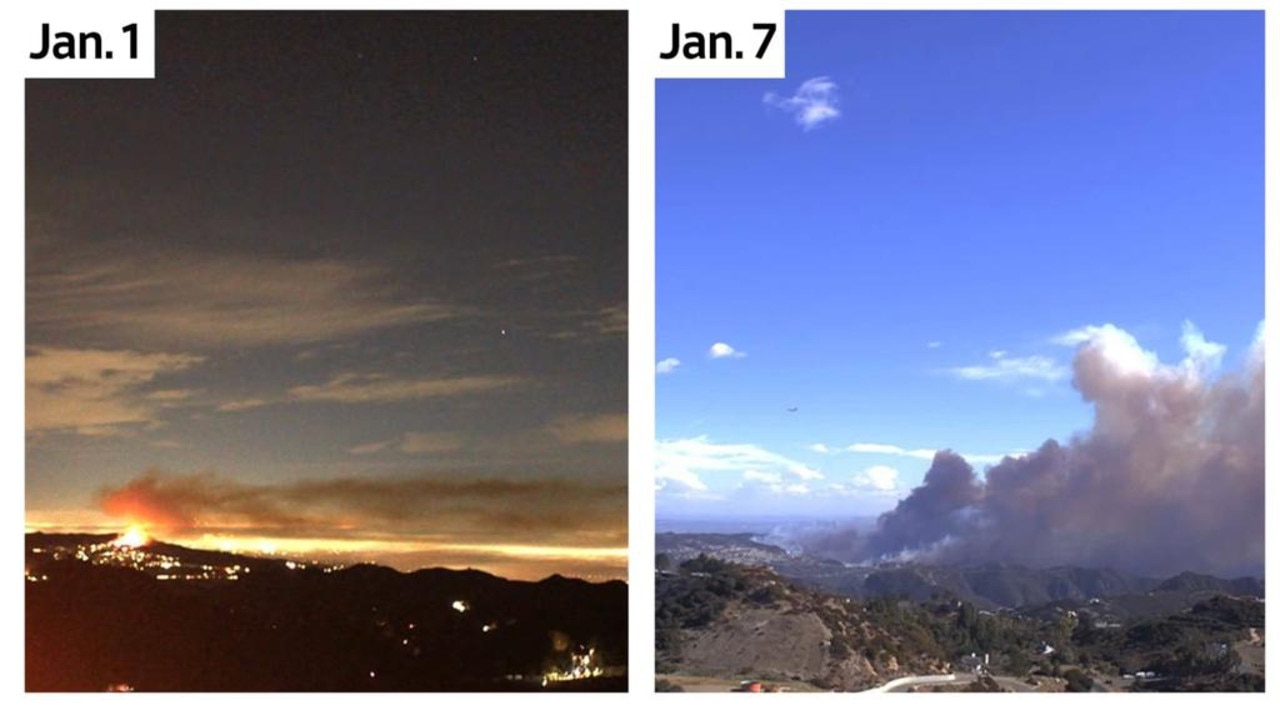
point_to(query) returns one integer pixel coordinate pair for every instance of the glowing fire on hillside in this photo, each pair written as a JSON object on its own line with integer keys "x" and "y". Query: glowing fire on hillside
{"x": 135, "y": 536}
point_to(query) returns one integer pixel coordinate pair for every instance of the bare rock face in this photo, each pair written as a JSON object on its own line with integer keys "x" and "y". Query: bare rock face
{"x": 853, "y": 673}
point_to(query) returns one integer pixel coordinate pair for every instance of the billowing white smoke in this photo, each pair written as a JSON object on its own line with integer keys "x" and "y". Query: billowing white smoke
{"x": 1170, "y": 477}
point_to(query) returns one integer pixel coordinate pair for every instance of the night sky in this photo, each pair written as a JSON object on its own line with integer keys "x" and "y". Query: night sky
{"x": 338, "y": 281}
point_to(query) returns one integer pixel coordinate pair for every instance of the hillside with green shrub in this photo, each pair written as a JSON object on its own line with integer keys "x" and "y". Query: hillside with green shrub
{"x": 716, "y": 618}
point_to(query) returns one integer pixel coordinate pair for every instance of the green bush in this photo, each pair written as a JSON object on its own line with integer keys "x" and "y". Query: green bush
{"x": 1078, "y": 681}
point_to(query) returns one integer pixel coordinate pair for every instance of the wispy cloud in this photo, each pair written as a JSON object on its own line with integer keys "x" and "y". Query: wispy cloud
{"x": 758, "y": 481}
{"x": 926, "y": 453}
{"x": 606, "y": 323}
{"x": 430, "y": 443}
{"x": 242, "y": 405}
{"x": 540, "y": 268}
{"x": 813, "y": 104}
{"x": 875, "y": 480}
{"x": 582, "y": 429}
{"x": 1083, "y": 334}
{"x": 667, "y": 366}
{"x": 681, "y": 482}
{"x": 724, "y": 350}
{"x": 415, "y": 443}
{"x": 760, "y": 476}
{"x": 98, "y": 392}
{"x": 611, "y": 320}
{"x": 680, "y": 464}
{"x": 1003, "y": 367}
{"x": 354, "y": 388}
{"x": 886, "y": 449}
{"x": 194, "y": 301}
{"x": 371, "y": 448}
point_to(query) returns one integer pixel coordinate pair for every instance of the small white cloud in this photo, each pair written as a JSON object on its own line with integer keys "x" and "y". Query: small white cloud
{"x": 813, "y": 104}
{"x": 934, "y": 344}
{"x": 724, "y": 350}
{"x": 820, "y": 448}
{"x": 796, "y": 489}
{"x": 877, "y": 478}
{"x": 667, "y": 366}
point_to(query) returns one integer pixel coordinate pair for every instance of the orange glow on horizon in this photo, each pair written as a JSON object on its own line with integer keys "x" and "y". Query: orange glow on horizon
{"x": 517, "y": 561}
{"x": 525, "y": 562}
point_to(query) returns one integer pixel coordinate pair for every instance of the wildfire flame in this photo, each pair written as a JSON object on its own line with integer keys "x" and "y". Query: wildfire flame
{"x": 135, "y": 536}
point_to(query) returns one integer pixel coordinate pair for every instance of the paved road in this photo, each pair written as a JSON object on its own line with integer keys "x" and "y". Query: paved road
{"x": 904, "y": 684}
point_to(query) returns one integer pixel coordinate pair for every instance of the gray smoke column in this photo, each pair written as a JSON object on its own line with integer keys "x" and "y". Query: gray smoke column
{"x": 937, "y": 510}
{"x": 1169, "y": 478}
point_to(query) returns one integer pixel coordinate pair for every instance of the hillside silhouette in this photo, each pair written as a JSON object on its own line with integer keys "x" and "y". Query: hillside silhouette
{"x": 94, "y": 625}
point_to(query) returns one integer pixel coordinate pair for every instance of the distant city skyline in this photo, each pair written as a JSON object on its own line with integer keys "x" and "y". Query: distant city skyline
{"x": 347, "y": 282}
{"x": 905, "y": 245}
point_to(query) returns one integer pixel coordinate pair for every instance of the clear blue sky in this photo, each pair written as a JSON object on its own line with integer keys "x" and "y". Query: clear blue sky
{"x": 891, "y": 238}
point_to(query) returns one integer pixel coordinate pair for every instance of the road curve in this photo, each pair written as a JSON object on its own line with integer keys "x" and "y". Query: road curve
{"x": 911, "y": 680}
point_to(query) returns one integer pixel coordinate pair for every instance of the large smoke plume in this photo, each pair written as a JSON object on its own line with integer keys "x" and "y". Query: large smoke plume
{"x": 1169, "y": 478}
